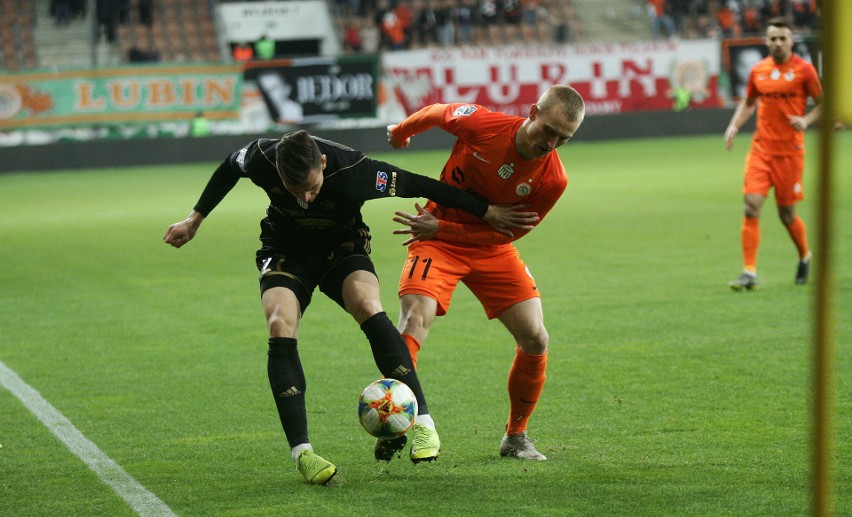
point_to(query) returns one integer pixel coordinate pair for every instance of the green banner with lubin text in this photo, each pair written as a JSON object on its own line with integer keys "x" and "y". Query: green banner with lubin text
{"x": 122, "y": 95}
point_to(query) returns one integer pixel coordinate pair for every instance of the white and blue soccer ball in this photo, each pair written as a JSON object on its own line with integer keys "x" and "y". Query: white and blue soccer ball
{"x": 387, "y": 408}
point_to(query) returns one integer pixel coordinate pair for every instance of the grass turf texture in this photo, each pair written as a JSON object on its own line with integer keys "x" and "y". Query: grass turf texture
{"x": 667, "y": 394}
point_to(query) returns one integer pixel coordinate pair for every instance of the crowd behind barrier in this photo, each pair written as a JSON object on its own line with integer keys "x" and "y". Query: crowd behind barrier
{"x": 387, "y": 25}
{"x": 184, "y": 30}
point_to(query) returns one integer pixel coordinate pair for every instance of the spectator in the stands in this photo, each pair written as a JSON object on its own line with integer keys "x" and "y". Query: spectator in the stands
{"x": 751, "y": 20}
{"x": 406, "y": 19}
{"x": 702, "y": 24}
{"x": 464, "y": 15}
{"x": 529, "y": 20}
{"x": 264, "y": 48}
{"x": 804, "y": 15}
{"x": 146, "y": 12}
{"x": 199, "y": 126}
{"x": 370, "y": 37}
{"x": 511, "y": 20}
{"x": 243, "y": 52}
{"x": 727, "y": 18}
{"x": 662, "y": 25}
{"x": 427, "y": 24}
{"x": 352, "y": 41}
{"x": 488, "y": 22}
{"x": 679, "y": 12}
{"x": 562, "y": 16}
{"x": 446, "y": 22}
{"x": 393, "y": 31}
{"x": 61, "y": 10}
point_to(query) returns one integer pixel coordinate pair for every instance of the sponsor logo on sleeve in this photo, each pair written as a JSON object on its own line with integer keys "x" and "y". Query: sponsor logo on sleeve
{"x": 464, "y": 111}
{"x": 381, "y": 181}
{"x": 241, "y": 158}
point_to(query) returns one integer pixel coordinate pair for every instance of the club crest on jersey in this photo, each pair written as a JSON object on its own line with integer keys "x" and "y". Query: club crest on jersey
{"x": 464, "y": 111}
{"x": 789, "y": 75}
{"x": 381, "y": 181}
{"x": 506, "y": 170}
{"x": 523, "y": 189}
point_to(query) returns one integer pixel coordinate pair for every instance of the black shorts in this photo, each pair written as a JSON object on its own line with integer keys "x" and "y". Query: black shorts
{"x": 302, "y": 272}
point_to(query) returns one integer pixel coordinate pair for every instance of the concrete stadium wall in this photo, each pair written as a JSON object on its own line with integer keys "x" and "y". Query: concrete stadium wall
{"x": 161, "y": 151}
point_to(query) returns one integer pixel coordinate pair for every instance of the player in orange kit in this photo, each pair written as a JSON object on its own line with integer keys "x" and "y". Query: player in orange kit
{"x": 507, "y": 160}
{"x": 782, "y": 83}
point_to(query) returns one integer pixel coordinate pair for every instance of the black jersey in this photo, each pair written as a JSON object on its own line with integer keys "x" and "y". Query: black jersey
{"x": 350, "y": 179}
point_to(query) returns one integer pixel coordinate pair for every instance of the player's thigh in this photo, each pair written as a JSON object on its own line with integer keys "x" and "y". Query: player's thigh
{"x": 786, "y": 176}
{"x": 285, "y": 271}
{"x": 332, "y": 283}
{"x": 758, "y": 174}
{"x": 433, "y": 269}
{"x": 361, "y": 294}
{"x": 500, "y": 279}
{"x": 281, "y": 307}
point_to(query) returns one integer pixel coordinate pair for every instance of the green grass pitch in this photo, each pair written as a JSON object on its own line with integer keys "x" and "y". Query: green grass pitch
{"x": 667, "y": 394}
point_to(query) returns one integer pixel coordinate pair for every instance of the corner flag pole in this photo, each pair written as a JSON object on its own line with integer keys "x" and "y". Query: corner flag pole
{"x": 836, "y": 34}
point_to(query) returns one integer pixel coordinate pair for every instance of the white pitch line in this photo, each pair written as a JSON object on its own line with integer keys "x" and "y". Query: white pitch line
{"x": 137, "y": 496}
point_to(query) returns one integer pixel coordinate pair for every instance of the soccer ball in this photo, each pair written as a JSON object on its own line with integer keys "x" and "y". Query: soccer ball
{"x": 387, "y": 408}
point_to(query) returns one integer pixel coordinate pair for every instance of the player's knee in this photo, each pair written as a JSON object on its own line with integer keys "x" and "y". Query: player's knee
{"x": 413, "y": 322}
{"x": 280, "y": 326}
{"x": 536, "y": 342}
{"x": 753, "y": 205}
{"x": 364, "y": 308}
{"x": 787, "y": 215}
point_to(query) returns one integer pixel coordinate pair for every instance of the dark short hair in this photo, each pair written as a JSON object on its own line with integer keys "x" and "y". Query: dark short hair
{"x": 296, "y": 155}
{"x": 779, "y": 22}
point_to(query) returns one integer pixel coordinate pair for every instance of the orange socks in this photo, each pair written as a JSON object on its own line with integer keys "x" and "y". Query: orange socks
{"x": 750, "y": 236}
{"x": 526, "y": 381}
{"x": 413, "y": 347}
{"x": 799, "y": 233}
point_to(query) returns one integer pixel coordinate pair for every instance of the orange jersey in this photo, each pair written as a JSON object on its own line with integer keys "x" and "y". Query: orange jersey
{"x": 484, "y": 161}
{"x": 782, "y": 90}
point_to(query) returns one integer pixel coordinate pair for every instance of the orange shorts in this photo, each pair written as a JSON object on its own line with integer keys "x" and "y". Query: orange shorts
{"x": 783, "y": 172}
{"x": 496, "y": 275}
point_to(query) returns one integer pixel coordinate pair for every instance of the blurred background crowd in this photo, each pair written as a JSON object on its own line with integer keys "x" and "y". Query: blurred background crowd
{"x": 39, "y": 33}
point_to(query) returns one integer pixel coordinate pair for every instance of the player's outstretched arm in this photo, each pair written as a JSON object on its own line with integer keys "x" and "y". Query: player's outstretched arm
{"x": 424, "y": 226}
{"x": 182, "y": 232}
{"x": 399, "y": 135}
{"x": 420, "y": 226}
{"x": 505, "y": 217}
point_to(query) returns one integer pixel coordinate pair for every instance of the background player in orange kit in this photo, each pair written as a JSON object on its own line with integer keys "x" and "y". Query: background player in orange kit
{"x": 508, "y": 160}
{"x": 782, "y": 83}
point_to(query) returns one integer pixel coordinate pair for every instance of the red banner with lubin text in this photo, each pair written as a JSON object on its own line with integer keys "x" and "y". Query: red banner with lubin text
{"x": 613, "y": 77}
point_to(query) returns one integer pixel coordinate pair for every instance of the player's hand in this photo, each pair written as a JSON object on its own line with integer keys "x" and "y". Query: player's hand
{"x": 422, "y": 226}
{"x": 730, "y": 133}
{"x": 798, "y": 123}
{"x": 396, "y": 144}
{"x": 504, "y": 217}
{"x": 182, "y": 232}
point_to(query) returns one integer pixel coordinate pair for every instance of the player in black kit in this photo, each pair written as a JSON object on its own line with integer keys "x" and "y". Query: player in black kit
{"x": 313, "y": 236}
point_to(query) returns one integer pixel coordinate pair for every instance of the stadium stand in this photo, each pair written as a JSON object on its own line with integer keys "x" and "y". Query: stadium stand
{"x": 177, "y": 30}
{"x": 136, "y": 30}
{"x": 17, "y": 20}
{"x": 185, "y": 30}
{"x": 618, "y": 20}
